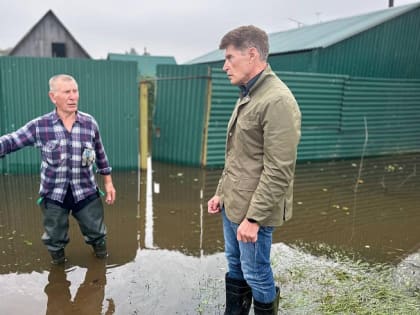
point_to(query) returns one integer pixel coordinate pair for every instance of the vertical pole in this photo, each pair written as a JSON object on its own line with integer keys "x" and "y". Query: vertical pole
{"x": 144, "y": 137}
{"x": 207, "y": 107}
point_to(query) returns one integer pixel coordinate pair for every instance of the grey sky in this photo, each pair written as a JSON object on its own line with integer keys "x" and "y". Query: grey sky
{"x": 184, "y": 29}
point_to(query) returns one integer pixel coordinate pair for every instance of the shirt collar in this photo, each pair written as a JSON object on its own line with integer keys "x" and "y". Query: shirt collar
{"x": 247, "y": 87}
{"x": 56, "y": 118}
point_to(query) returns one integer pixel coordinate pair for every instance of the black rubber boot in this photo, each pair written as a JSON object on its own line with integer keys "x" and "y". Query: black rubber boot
{"x": 268, "y": 308}
{"x": 238, "y": 297}
{"x": 58, "y": 257}
{"x": 100, "y": 250}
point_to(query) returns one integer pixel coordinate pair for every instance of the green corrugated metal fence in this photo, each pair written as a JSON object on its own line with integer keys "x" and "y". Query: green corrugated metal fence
{"x": 320, "y": 100}
{"x": 108, "y": 91}
{"x": 392, "y": 112}
{"x": 180, "y": 113}
{"x": 334, "y": 110}
{"x": 223, "y": 98}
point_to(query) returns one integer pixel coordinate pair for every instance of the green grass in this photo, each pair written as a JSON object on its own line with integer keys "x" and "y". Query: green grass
{"x": 343, "y": 286}
{"x": 329, "y": 284}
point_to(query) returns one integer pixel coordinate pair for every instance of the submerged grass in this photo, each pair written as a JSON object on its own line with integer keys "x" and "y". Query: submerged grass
{"x": 330, "y": 284}
{"x": 320, "y": 285}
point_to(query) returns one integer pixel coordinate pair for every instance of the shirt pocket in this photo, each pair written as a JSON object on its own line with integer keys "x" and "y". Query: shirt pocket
{"x": 88, "y": 154}
{"x": 51, "y": 153}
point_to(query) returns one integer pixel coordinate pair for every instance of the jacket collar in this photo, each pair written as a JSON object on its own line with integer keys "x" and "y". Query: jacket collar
{"x": 244, "y": 100}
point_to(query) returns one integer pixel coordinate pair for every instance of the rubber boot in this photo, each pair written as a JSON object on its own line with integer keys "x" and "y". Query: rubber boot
{"x": 238, "y": 297}
{"x": 100, "y": 250}
{"x": 268, "y": 308}
{"x": 58, "y": 257}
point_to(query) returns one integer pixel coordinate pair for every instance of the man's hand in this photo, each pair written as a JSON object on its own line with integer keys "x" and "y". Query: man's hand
{"x": 213, "y": 205}
{"x": 247, "y": 231}
{"x": 110, "y": 190}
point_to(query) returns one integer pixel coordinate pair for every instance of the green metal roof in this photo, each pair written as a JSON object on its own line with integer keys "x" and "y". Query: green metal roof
{"x": 320, "y": 35}
{"x": 146, "y": 64}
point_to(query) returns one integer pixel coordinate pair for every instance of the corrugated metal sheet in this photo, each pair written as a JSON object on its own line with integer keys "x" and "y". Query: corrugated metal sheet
{"x": 180, "y": 114}
{"x": 333, "y": 110}
{"x": 389, "y": 50}
{"x": 108, "y": 91}
{"x": 321, "y": 35}
{"x": 223, "y": 98}
{"x": 319, "y": 97}
{"x": 381, "y": 44}
{"x": 391, "y": 109}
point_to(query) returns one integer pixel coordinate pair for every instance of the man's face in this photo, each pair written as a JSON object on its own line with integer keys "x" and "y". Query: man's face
{"x": 65, "y": 96}
{"x": 237, "y": 65}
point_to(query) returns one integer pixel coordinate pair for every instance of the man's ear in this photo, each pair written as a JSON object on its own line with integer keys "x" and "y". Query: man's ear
{"x": 253, "y": 53}
{"x": 52, "y": 97}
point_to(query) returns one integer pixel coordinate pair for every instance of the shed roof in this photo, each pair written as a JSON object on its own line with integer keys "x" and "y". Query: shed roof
{"x": 146, "y": 64}
{"x": 321, "y": 35}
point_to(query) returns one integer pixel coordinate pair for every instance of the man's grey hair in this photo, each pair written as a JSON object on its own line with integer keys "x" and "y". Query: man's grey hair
{"x": 245, "y": 37}
{"x": 61, "y": 77}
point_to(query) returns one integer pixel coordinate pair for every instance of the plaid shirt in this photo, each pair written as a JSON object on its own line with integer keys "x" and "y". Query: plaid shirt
{"x": 61, "y": 153}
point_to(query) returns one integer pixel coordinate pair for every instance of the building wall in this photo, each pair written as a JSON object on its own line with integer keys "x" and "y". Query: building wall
{"x": 389, "y": 50}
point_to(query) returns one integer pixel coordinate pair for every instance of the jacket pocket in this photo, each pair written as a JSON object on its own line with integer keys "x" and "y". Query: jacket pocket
{"x": 243, "y": 192}
{"x": 249, "y": 132}
{"x": 51, "y": 153}
{"x": 247, "y": 124}
{"x": 248, "y": 184}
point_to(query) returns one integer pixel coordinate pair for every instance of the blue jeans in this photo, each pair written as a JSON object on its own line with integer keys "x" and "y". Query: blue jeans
{"x": 250, "y": 261}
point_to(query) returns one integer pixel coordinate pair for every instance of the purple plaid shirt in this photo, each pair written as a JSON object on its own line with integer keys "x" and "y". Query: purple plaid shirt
{"x": 61, "y": 153}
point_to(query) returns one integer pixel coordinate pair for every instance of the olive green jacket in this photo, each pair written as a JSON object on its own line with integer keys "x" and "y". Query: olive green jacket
{"x": 261, "y": 147}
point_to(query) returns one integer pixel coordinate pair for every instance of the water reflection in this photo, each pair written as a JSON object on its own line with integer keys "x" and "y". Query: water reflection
{"x": 378, "y": 221}
{"x": 89, "y": 298}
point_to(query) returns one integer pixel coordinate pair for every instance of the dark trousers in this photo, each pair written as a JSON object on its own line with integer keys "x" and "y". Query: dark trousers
{"x": 56, "y": 223}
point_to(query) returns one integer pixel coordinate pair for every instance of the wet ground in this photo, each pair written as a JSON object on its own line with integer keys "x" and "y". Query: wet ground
{"x": 166, "y": 252}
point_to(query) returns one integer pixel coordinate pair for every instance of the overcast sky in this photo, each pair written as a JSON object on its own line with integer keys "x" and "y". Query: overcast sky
{"x": 185, "y": 29}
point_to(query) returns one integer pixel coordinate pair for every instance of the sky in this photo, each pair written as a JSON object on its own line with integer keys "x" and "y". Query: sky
{"x": 184, "y": 29}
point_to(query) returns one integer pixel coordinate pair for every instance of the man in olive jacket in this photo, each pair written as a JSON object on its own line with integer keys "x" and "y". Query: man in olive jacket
{"x": 255, "y": 191}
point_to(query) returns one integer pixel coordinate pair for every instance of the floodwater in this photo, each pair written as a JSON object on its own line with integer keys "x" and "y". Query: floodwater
{"x": 166, "y": 252}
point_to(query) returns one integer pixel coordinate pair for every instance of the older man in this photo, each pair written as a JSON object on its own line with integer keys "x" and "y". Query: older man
{"x": 70, "y": 145}
{"x": 255, "y": 190}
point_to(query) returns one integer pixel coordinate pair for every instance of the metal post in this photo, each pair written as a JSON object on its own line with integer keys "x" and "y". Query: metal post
{"x": 144, "y": 145}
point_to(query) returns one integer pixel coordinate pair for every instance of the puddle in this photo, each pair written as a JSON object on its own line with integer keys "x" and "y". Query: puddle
{"x": 167, "y": 252}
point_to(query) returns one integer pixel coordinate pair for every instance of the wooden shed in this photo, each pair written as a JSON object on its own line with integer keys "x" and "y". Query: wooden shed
{"x": 49, "y": 38}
